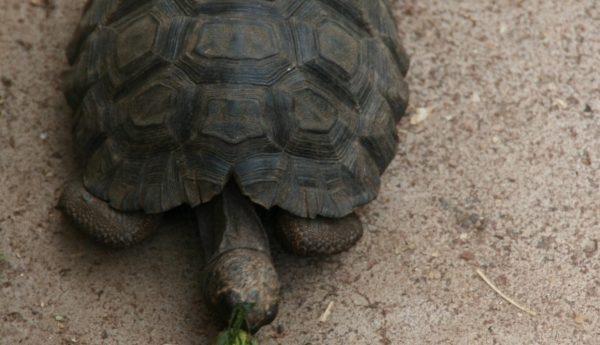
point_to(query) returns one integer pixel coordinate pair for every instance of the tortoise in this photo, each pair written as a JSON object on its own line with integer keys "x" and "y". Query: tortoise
{"x": 234, "y": 107}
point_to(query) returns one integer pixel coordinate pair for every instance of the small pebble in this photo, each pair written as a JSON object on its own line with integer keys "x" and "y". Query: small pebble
{"x": 590, "y": 246}
{"x": 420, "y": 115}
{"x": 580, "y": 318}
{"x": 434, "y": 275}
{"x": 560, "y": 103}
{"x": 593, "y": 105}
{"x": 280, "y": 329}
{"x": 467, "y": 256}
{"x": 585, "y": 158}
{"x": 503, "y": 28}
{"x": 6, "y": 81}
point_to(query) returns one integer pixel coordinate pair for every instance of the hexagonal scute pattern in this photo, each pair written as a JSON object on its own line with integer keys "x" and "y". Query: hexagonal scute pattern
{"x": 233, "y": 120}
{"x": 236, "y": 40}
{"x": 136, "y": 40}
{"x": 338, "y": 46}
{"x": 313, "y": 112}
{"x": 295, "y": 99}
{"x": 151, "y": 106}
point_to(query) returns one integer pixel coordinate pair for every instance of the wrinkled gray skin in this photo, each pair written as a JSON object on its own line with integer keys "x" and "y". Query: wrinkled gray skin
{"x": 238, "y": 268}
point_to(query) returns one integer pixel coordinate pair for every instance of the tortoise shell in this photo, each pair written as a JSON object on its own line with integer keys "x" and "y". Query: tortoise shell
{"x": 297, "y": 100}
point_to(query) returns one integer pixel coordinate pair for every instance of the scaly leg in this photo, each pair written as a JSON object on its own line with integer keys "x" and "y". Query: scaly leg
{"x": 320, "y": 236}
{"x": 105, "y": 224}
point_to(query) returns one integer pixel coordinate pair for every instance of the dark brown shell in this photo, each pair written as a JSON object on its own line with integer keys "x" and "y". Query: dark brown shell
{"x": 297, "y": 100}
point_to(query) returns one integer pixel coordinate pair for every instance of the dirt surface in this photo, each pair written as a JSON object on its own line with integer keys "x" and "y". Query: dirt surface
{"x": 501, "y": 176}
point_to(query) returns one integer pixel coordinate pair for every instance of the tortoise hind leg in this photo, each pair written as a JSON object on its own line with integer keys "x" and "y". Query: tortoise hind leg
{"x": 239, "y": 268}
{"x": 318, "y": 237}
{"x": 102, "y": 222}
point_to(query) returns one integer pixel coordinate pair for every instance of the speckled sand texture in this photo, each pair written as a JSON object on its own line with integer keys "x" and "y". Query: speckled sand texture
{"x": 502, "y": 175}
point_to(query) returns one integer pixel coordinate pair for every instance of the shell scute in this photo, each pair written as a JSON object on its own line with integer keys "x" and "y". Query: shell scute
{"x": 296, "y": 100}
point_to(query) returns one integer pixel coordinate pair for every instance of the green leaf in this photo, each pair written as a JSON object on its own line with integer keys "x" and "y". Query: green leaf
{"x": 241, "y": 338}
{"x": 234, "y": 335}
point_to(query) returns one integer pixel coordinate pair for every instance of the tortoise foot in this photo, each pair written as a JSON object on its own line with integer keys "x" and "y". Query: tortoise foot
{"x": 243, "y": 276}
{"x": 320, "y": 236}
{"x": 102, "y": 222}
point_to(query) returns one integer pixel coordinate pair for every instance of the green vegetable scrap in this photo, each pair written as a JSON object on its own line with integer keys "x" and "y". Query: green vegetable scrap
{"x": 234, "y": 335}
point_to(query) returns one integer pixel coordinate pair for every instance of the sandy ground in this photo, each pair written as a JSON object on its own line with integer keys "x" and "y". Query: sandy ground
{"x": 503, "y": 176}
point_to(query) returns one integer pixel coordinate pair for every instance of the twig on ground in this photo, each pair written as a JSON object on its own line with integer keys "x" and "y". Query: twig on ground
{"x": 326, "y": 313}
{"x": 508, "y": 299}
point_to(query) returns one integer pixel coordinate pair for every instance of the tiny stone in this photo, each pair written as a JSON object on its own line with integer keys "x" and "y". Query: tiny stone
{"x": 25, "y": 45}
{"x": 545, "y": 242}
{"x": 502, "y": 280}
{"x": 434, "y": 275}
{"x": 585, "y": 158}
{"x": 280, "y": 329}
{"x": 593, "y": 105}
{"x": 467, "y": 255}
{"x": 503, "y": 28}
{"x": 59, "y": 318}
{"x": 590, "y": 246}
{"x": 6, "y": 81}
{"x": 44, "y": 136}
{"x": 580, "y": 318}
{"x": 560, "y": 103}
{"x": 444, "y": 204}
{"x": 464, "y": 236}
{"x": 420, "y": 115}
{"x": 573, "y": 101}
